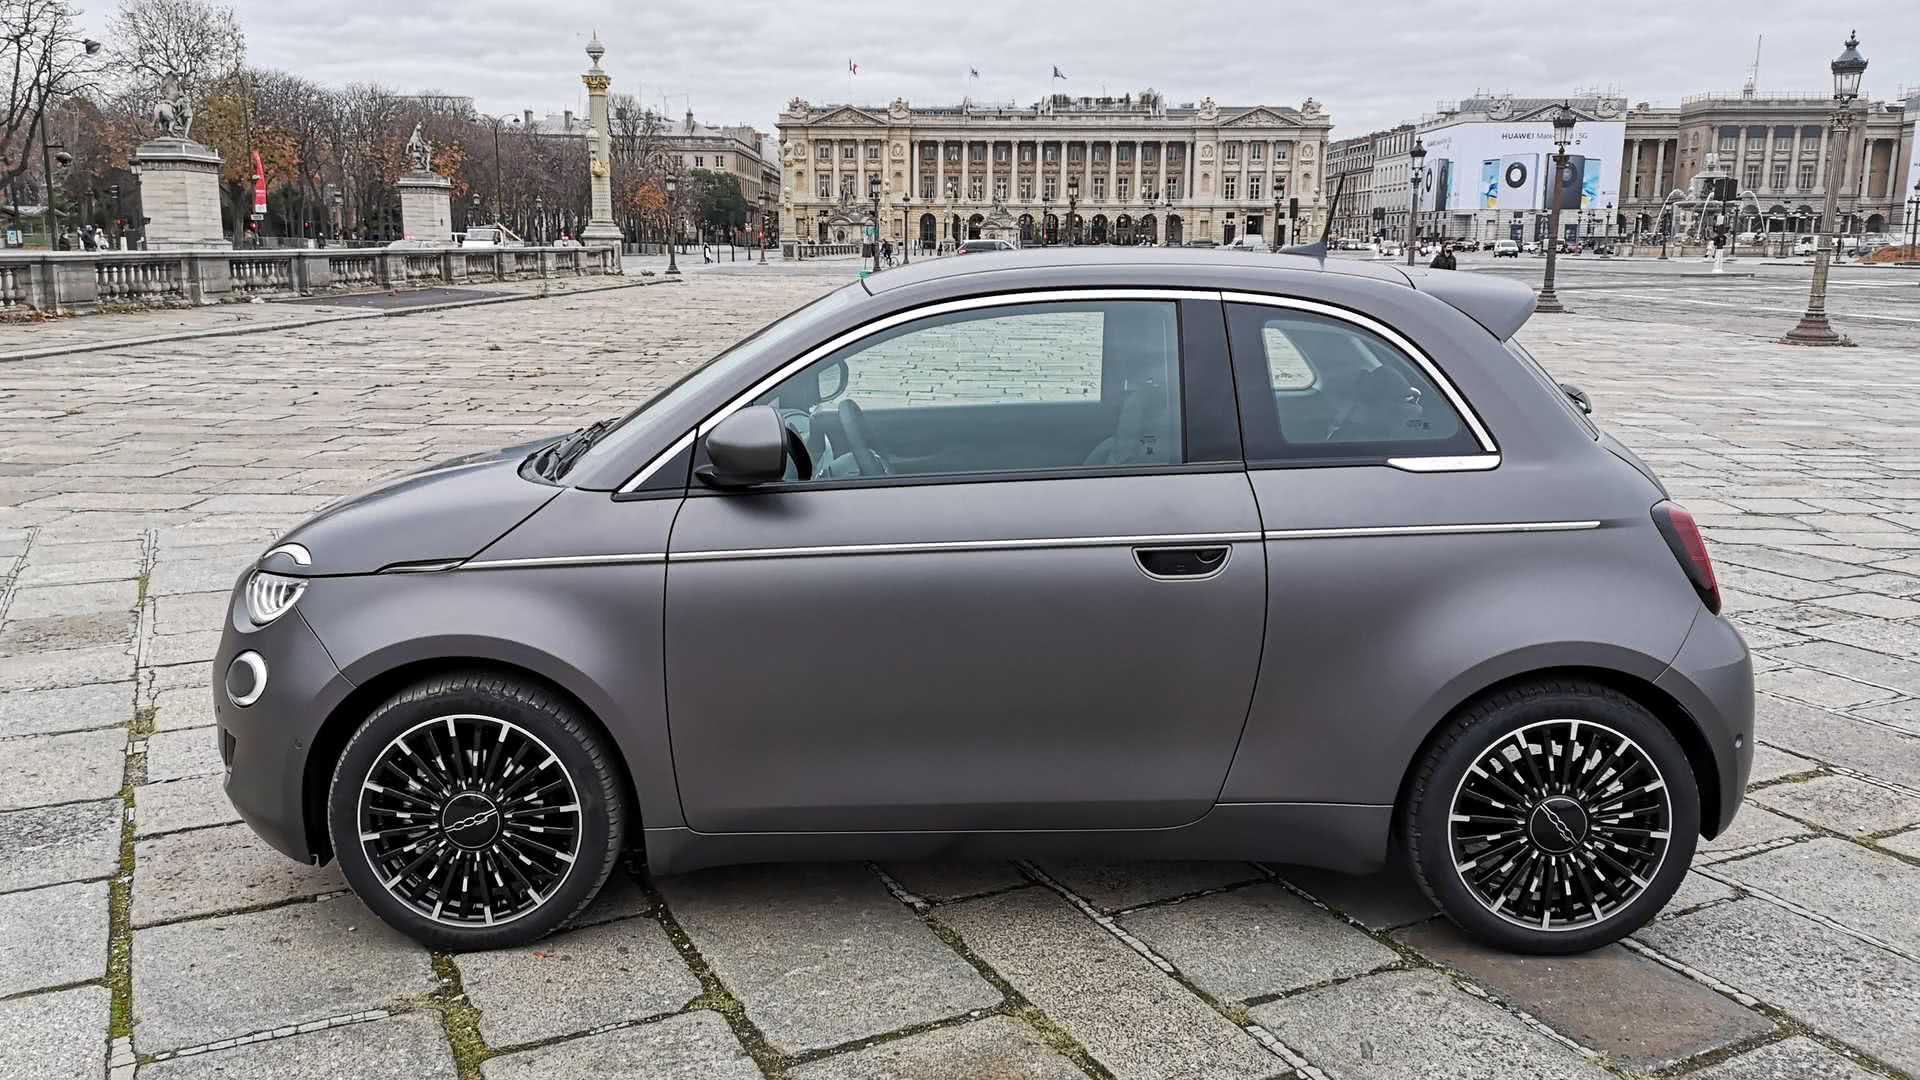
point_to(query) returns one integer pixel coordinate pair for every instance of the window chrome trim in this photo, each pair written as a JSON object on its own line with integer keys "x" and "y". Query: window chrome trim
{"x": 658, "y": 462}
{"x": 1466, "y": 463}
{"x": 944, "y": 546}
{"x": 1432, "y": 530}
{"x": 898, "y": 318}
{"x": 1394, "y": 337}
{"x": 564, "y": 560}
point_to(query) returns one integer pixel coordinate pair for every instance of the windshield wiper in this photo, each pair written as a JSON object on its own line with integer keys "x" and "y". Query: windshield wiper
{"x": 573, "y": 447}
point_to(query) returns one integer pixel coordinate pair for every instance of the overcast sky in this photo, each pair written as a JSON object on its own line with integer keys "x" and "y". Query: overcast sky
{"x": 1372, "y": 63}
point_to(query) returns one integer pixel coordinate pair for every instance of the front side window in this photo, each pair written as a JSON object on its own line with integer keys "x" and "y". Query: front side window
{"x": 1335, "y": 390}
{"x": 1022, "y": 388}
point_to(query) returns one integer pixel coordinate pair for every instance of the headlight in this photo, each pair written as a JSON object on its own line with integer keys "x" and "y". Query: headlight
{"x": 270, "y": 596}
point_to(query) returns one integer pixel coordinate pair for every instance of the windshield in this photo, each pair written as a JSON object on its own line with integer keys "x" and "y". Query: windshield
{"x": 751, "y": 351}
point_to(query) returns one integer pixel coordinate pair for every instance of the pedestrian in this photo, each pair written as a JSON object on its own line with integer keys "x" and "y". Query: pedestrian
{"x": 1444, "y": 260}
{"x": 886, "y": 252}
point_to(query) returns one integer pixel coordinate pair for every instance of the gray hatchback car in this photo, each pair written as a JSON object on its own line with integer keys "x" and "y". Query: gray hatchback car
{"x": 1113, "y": 552}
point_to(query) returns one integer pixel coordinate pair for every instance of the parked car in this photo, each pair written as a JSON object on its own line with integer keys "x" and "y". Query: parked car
{"x": 808, "y": 603}
{"x": 1531, "y": 247}
{"x": 1506, "y": 249}
{"x": 1806, "y": 245}
{"x": 1248, "y": 242}
{"x": 486, "y": 236}
{"x": 975, "y": 247}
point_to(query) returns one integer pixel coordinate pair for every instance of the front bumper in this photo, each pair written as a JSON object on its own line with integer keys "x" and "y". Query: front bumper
{"x": 265, "y": 745}
{"x": 1712, "y": 679}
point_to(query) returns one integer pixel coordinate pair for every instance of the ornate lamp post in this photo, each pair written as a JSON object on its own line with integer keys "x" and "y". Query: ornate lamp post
{"x": 1419, "y": 157}
{"x": 673, "y": 227}
{"x": 1276, "y": 221}
{"x": 1041, "y": 226}
{"x": 873, "y": 192}
{"x": 1563, "y": 121}
{"x": 766, "y": 206}
{"x": 906, "y": 228}
{"x": 540, "y": 220}
{"x": 1813, "y": 328}
{"x": 1913, "y": 219}
{"x": 1073, "y": 204}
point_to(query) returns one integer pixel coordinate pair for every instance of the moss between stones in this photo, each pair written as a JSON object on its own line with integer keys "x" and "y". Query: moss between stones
{"x": 120, "y": 925}
{"x": 459, "y": 1017}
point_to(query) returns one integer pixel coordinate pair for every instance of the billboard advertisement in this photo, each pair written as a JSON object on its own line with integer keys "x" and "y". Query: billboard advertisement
{"x": 1509, "y": 166}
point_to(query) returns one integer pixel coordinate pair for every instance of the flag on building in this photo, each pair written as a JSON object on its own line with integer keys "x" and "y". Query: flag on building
{"x": 853, "y": 68}
{"x": 1057, "y": 73}
{"x": 975, "y": 72}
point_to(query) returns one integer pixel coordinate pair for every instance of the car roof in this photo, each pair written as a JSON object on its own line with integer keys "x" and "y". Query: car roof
{"x": 1499, "y": 305}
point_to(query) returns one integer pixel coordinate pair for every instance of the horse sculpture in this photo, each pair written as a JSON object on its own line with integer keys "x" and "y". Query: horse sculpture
{"x": 173, "y": 113}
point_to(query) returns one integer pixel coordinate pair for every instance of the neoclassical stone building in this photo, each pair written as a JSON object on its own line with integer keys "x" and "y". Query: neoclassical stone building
{"x": 1136, "y": 169}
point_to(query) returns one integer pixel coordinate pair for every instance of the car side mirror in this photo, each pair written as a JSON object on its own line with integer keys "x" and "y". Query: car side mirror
{"x": 747, "y": 448}
{"x": 1578, "y": 396}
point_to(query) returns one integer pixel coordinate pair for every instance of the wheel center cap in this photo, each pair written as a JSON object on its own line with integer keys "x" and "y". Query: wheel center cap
{"x": 470, "y": 820}
{"x": 1558, "y": 825}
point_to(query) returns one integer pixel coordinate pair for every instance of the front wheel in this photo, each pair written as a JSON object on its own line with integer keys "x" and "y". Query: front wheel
{"x": 1552, "y": 817}
{"x": 476, "y": 811}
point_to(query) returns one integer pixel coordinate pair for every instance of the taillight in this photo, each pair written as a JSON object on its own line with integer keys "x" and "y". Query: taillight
{"x": 1683, "y": 538}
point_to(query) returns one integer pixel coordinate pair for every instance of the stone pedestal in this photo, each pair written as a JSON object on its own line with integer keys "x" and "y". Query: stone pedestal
{"x": 426, "y": 208}
{"x": 180, "y": 195}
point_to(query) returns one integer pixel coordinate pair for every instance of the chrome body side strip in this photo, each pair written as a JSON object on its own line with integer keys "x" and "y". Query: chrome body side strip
{"x": 1432, "y": 530}
{"x": 936, "y": 546}
{"x": 1466, "y": 463}
{"x": 565, "y": 560}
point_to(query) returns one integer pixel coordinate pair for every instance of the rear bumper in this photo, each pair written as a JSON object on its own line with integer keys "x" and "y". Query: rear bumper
{"x": 265, "y": 745}
{"x": 1712, "y": 679}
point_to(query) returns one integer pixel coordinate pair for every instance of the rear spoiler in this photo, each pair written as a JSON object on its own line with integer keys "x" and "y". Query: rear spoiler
{"x": 1499, "y": 305}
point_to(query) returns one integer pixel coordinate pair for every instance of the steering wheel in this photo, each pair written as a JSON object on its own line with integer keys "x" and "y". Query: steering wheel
{"x": 853, "y": 422}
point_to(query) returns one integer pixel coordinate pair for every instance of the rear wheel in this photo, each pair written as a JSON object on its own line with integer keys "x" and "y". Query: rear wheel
{"x": 1552, "y": 817}
{"x": 476, "y": 811}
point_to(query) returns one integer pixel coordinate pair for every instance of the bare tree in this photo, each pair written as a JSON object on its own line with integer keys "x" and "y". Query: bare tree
{"x": 46, "y": 61}
{"x": 187, "y": 42}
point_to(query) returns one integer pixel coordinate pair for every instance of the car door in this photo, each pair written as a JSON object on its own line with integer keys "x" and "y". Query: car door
{"x": 1018, "y": 583}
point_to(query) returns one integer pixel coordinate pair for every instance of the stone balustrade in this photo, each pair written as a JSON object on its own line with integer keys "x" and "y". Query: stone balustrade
{"x": 78, "y": 282}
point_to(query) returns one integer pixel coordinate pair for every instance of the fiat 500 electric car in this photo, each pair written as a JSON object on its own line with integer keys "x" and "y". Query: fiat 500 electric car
{"x": 1131, "y": 553}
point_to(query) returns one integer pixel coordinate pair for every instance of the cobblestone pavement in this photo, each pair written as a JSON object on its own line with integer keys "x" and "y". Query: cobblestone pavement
{"x": 143, "y": 929}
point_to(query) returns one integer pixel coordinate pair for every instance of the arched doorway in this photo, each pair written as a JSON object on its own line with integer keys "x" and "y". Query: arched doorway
{"x": 1076, "y": 229}
{"x": 928, "y": 227}
{"x": 1176, "y": 231}
{"x": 1226, "y": 233}
{"x": 1876, "y": 223}
{"x": 973, "y": 226}
{"x": 823, "y": 230}
{"x": 1050, "y": 229}
{"x": 1123, "y": 230}
{"x": 1099, "y": 234}
{"x": 1143, "y": 231}
{"x": 1026, "y": 229}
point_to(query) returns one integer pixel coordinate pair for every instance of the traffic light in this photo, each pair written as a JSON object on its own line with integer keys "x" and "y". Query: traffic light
{"x": 1293, "y": 208}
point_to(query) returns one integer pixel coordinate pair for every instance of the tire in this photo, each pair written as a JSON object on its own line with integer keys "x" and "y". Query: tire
{"x": 496, "y": 846}
{"x": 1558, "y": 852}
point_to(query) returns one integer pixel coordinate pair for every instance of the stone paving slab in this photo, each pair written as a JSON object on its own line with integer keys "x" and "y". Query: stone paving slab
{"x": 1113, "y": 886}
{"x": 173, "y": 755}
{"x": 412, "y": 1046}
{"x": 1377, "y": 901}
{"x": 1790, "y": 1059}
{"x": 88, "y": 598}
{"x": 191, "y": 803}
{"x": 181, "y": 707}
{"x": 606, "y": 974}
{"x": 225, "y": 868}
{"x": 997, "y": 1048}
{"x": 821, "y": 955}
{"x": 1832, "y": 981}
{"x": 1874, "y": 893}
{"x": 1134, "y": 1019}
{"x": 953, "y": 880}
{"x": 1254, "y": 941}
{"x": 203, "y": 981}
{"x": 1752, "y": 825}
{"x": 52, "y": 936}
{"x": 59, "y": 1035}
{"x": 54, "y": 668}
{"x": 1843, "y": 804}
{"x": 696, "y": 1046}
{"x": 1640, "y": 1013}
{"x": 45, "y": 769}
{"x": 52, "y": 844}
{"x": 72, "y": 708}
{"x": 1417, "y": 1026}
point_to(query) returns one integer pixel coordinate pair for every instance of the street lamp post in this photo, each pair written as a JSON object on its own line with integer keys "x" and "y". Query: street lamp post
{"x": 540, "y": 220}
{"x": 1073, "y": 204}
{"x": 906, "y": 228}
{"x": 1419, "y": 156}
{"x": 1276, "y": 221}
{"x": 766, "y": 206}
{"x": 873, "y": 192}
{"x": 1563, "y": 121}
{"x": 1913, "y": 221}
{"x": 673, "y": 227}
{"x": 1813, "y": 328}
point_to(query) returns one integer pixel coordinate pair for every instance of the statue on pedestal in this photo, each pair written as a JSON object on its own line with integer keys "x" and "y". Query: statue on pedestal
{"x": 420, "y": 152}
{"x": 173, "y": 113}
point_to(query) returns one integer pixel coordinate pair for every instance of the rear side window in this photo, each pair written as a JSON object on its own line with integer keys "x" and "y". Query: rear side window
{"x": 1315, "y": 389}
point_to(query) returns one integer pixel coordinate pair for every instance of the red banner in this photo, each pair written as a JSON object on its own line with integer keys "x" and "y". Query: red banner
{"x": 259, "y": 185}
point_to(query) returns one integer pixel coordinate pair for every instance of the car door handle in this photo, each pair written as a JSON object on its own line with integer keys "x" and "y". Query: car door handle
{"x": 1182, "y": 562}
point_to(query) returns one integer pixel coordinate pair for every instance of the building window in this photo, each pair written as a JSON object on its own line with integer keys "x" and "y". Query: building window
{"x": 825, "y": 152}
{"x": 846, "y": 185}
{"x": 1050, "y": 153}
{"x": 1076, "y": 154}
{"x": 977, "y": 152}
{"x": 699, "y": 161}
{"x": 953, "y": 154}
{"x": 846, "y": 152}
{"x": 1126, "y": 154}
{"x": 1810, "y": 144}
{"x": 1176, "y": 152}
{"x": 823, "y": 186}
{"x": 1228, "y": 184}
{"x": 1729, "y": 143}
{"x": 1753, "y": 176}
{"x": 953, "y": 188}
{"x": 720, "y": 162}
{"x": 1806, "y": 176}
{"x": 1173, "y": 190}
{"x": 975, "y": 185}
{"x": 1281, "y": 150}
{"x": 1255, "y": 185}
{"x": 926, "y": 189}
{"x": 1000, "y": 152}
{"x": 1233, "y": 151}
{"x": 1000, "y": 189}
{"x": 1026, "y": 153}
{"x": 1255, "y": 151}
{"x": 1779, "y": 176}
{"x": 1099, "y": 189}
{"x": 1120, "y": 187}
{"x": 1099, "y": 153}
{"x": 1026, "y": 189}
{"x": 1049, "y": 189}
{"x": 1279, "y": 186}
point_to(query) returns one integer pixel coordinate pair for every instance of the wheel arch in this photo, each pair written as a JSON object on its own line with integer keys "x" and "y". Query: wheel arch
{"x": 1664, "y": 707}
{"x": 330, "y": 739}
